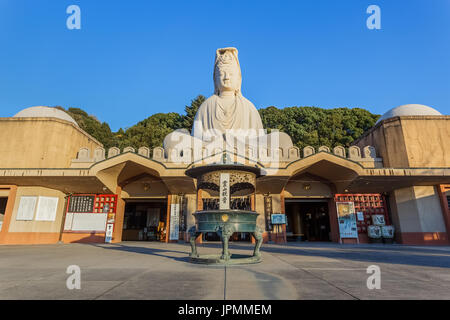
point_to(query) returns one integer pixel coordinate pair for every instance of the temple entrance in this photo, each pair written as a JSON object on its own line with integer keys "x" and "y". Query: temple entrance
{"x": 145, "y": 220}
{"x": 307, "y": 220}
{"x": 236, "y": 237}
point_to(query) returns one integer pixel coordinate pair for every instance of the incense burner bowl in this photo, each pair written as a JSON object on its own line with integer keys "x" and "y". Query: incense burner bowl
{"x": 237, "y": 216}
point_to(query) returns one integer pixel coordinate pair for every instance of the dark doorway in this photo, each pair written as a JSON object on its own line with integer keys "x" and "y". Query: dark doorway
{"x": 307, "y": 221}
{"x": 236, "y": 237}
{"x": 145, "y": 220}
{"x": 3, "y": 202}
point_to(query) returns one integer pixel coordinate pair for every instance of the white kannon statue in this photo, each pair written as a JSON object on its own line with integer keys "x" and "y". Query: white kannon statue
{"x": 226, "y": 110}
{"x": 227, "y": 117}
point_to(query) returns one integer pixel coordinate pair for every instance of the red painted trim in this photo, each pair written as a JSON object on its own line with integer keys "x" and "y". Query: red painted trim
{"x": 87, "y": 237}
{"x": 8, "y": 211}
{"x": 27, "y": 238}
{"x": 442, "y": 190}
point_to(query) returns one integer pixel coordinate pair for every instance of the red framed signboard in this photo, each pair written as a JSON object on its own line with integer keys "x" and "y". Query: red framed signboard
{"x": 90, "y": 213}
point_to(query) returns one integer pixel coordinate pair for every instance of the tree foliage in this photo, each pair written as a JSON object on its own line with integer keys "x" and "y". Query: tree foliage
{"x": 191, "y": 111}
{"x": 89, "y": 123}
{"x": 319, "y": 127}
{"x": 151, "y": 131}
{"x": 305, "y": 125}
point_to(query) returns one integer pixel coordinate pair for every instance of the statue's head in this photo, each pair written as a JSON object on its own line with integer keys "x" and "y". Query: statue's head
{"x": 227, "y": 72}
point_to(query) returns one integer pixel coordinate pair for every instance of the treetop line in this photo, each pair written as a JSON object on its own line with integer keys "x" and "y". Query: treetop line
{"x": 307, "y": 126}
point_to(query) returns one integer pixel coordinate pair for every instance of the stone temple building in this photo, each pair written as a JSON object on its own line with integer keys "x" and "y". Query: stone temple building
{"x": 58, "y": 183}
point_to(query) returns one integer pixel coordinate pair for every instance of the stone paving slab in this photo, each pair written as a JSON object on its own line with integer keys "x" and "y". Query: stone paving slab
{"x": 152, "y": 270}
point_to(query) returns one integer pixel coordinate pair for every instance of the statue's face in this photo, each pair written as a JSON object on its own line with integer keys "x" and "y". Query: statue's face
{"x": 228, "y": 78}
{"x": 227, "y": 75}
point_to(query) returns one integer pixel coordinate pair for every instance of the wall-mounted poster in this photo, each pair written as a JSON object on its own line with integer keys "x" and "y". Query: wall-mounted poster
{"x": 27, "y": 207}
{"x": 360, "y": 215}
{"x": 105, "y": 208}
{"x": 81, "y": 204}
{"x": 109, "y": 232}
{"x": 111, "y": 217}
{"x": 174, "y": 221}
{"x": 46, "y": 209}
{"x": 347, "y": 220}
{"x": 378, "y": 220}
{"x": 278, "y": 218}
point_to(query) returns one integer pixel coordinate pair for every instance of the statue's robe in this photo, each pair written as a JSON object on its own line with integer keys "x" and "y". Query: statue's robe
{"x": 217, "y": 128}
{"x": 241, "y": 119}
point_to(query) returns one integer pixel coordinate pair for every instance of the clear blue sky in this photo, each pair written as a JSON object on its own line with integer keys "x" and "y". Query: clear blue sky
{"x": 135, "y": 58}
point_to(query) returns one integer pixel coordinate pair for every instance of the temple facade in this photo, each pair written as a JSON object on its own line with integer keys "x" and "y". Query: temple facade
{"x": 58, "y": 184}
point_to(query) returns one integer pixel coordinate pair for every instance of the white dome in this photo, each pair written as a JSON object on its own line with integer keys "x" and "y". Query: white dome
{"x": 45, "y": 112}
{"x": 410, "y": 110}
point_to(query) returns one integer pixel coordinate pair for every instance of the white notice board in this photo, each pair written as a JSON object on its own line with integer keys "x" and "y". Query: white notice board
{"x": 89, "y": 222}
{"x": 46, "y": 209}
{"x": 174, "y": 221}
{"x": 26, "y": 209}
{"x": 68, "y": 221}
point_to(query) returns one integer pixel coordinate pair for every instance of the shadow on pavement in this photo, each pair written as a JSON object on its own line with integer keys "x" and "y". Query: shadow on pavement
{"x": 379, "y": 254}
{"x": 393, "y": 254}
{"x": 144, "y": 250}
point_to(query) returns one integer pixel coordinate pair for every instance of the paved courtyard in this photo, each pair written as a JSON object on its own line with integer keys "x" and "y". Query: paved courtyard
{"x": 138, "y": 270}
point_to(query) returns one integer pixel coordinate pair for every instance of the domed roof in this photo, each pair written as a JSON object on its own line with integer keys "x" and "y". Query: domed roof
{"x": 410, "y": 110}
{"x": 44, "y": 112}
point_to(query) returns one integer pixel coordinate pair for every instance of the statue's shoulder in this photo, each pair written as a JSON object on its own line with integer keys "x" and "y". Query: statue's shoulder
{"x": 208, "y": 102}
{"x": 211, "y": 99}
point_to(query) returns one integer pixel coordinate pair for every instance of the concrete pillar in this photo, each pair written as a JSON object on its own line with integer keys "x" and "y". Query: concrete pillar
{"x": 8, "y": 212}
{"x": 120, "y": 213}
{"x": 444, "y": 191}
{"x": 332, "y": 213}
{"x": 418, "y": 214}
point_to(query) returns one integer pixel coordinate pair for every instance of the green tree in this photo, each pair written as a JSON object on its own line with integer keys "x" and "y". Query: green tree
{"x": 305, "y": 125}
{"x": 316, "y": 126}
{"x": 90, "y": 124}
{"x": 151, "y": 131}
{"x": 191, "y": 111}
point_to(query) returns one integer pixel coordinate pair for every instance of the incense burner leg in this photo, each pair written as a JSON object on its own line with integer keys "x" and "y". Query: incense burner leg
{"x": 225, "y": 233}
{"x": 259, "y": 239}
{"x": 193, "y": 234}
